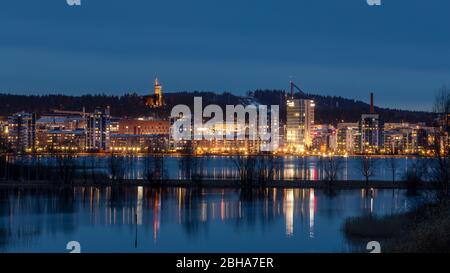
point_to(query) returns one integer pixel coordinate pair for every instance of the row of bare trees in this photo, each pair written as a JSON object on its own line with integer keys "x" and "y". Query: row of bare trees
{"x": 332, "y": 167}
{"x": 256, "y": 170}
{"x": 28, "y": 168}
{"x": 154, "y": 170}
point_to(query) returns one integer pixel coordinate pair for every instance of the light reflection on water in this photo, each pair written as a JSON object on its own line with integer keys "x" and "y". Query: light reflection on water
{"x": 223, "y": 167}
{"x": 144, "y": 219}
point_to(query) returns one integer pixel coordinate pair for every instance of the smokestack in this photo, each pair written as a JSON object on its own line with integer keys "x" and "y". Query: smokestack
{"x": 372, "y": 107}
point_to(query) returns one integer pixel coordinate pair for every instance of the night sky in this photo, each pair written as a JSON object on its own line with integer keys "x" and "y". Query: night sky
{"x": 400, "y": 51}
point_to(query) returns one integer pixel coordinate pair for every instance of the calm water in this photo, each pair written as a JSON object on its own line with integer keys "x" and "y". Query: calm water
{"x": 223, "y": 167}
{"x": 141, "y": 219}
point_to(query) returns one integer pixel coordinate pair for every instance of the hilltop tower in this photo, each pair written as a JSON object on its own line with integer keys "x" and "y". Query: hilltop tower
{"x": 157, "y": 99}
{"x": 158, "y": 93}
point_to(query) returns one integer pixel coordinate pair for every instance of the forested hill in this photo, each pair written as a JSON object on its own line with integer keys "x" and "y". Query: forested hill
{"x": 333, "y": 109}
{"x": 328, "y": 109}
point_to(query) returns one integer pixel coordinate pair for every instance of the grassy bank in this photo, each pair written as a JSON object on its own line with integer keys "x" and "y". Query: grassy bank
{"x": 425, "y": 229}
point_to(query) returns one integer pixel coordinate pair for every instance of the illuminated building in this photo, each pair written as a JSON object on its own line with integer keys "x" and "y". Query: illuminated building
{"x": 224, "y": 145}
{"x": 421, "y": 137}
{"x": 144, "y": 127}
{"x": 3, "y": 127}
{"x": 299, "y": 120}
{"x": 404, "y": 138}
{"x": 346, "y": 134}
{"x": 66, "y": 140}
{"x": 139, "y": 143}
{"x": 371, "y": 129}
{"x": 56, "y": 123}
{"x": 61, "y": 122}
{"x": 22, "y": 131}
{"x": 324, "y": 138}
{"x": 394, "y": 142}
{"x": 140, "y": 135}
{"x": 3, "y": 134}
{"x": 157, "y": 99}
{"x": 114, "y": 125}
{"x": 98, "y": 130}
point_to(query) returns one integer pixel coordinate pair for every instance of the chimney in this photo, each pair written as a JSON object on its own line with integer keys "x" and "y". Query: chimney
{"x": 372, "y": 108}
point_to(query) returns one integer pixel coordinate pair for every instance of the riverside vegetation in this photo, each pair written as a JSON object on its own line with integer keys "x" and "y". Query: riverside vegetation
{"x": 426, "y": 227}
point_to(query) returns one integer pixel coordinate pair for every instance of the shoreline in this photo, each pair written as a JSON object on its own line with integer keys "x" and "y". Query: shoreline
{"x": 336, "y": 185}
{"x": 424, "y": 229}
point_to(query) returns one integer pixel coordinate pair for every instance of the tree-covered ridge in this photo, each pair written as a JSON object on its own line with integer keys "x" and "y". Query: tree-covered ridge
{"x": 329, "y": 109}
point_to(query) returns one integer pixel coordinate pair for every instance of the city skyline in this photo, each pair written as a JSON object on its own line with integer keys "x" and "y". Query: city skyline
{"x": 160, "y": 132}
{"x": 229, "y": 46}
{"x": 224, "y": 135}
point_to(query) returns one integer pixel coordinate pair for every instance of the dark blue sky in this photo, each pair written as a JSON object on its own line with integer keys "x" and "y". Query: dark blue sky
{"x": 400, "y": 50}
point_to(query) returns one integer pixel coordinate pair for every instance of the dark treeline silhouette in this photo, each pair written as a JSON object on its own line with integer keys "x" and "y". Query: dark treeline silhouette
{"x": 62, "y": 170}
{"x": 127, "y": 105}
{"x": 16, "y": 168}
{"x": 335, "y": 109}
{"x": 329, "y": 109}
{"x": 256, "y": 171}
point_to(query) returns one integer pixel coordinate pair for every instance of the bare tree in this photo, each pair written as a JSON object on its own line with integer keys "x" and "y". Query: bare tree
{"x": 415, "y": 175}
{"x": 267, "y": 167}
{"x": 66, "y": 166}
{"x": 245, "y": 166}
{"x": 116, "y": 167}
{"x": 186, "y": 160}
{"x": 441, "y": 146}
{"x": 366, "y": 167}
{"x": 331, "y": 166}
{"x": 190, "y": 164}
{"x": 392, "y": 165}
{"x": 154, "y": 168}
{"x": 84, "y": 169}
{"x": 3, "y": 166}
{"x": 93, "y": 167}
{"x": 300, "y": 167}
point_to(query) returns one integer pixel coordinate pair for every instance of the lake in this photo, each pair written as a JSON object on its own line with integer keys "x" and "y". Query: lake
{"x": 224, "y": 167}
{"x": 145, "y": 219}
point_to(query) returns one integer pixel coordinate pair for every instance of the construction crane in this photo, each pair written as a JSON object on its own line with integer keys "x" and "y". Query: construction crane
{"x": 293, "y": 87}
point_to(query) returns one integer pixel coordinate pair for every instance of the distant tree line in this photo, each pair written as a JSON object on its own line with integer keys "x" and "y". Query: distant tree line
{"x": 329, "y": 109}
{"x": 335, "y": 109}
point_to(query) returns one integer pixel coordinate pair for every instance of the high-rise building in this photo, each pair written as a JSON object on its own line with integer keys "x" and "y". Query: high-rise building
{"x": 22, "y": 131}
{"x": 98, "y": 130}
{"x": 299, "y": 121}
{"x": 371, "y": 128}
{"x": 346, "y": 135}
